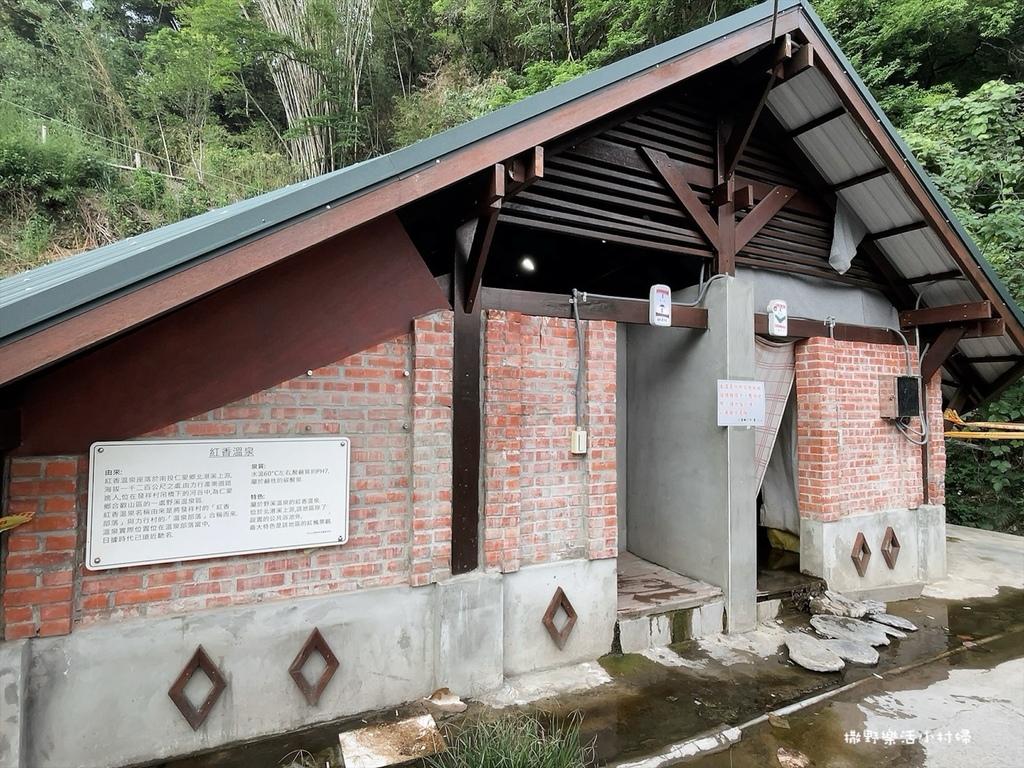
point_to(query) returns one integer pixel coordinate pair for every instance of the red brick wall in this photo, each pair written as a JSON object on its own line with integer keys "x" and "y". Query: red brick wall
{"x": 850, "y": 459}
{"x": 39, "y": 570}
{"x": 542, "y": 503}
{"x": 393, "y": 401}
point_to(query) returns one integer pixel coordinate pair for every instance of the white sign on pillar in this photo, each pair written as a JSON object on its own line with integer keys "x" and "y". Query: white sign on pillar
{"x": 660, "y": 312}
{"x": 778, "y": 318}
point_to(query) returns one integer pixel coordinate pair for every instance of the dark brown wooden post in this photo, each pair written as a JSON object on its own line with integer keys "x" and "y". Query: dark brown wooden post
{"x": 725, "y": 213}
{"x": 465, "y": 422}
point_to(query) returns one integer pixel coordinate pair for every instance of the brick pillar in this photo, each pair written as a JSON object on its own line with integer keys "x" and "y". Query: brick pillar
{"x": 936, "y": 442}
{"x": 432, "y": 347}
{"x": 503, "y": 430}
{"x": 39, "y": 570}
{"x": 602, "y": 478}
{"x": 817, "y": 429}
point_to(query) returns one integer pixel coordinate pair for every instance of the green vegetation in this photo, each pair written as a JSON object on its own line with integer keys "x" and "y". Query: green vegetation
{"x": 117, "y": 116}
{"x": 514, "y": 741}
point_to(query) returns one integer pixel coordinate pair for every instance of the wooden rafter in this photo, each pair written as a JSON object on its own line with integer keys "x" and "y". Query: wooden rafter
{"x": 674, "y": 178}
{"x": 901, "y": 230}
{"x": 863, "y": 178}
{"x": 763, "y": 212}
{"x": 743, "y": 125}
{"x": 817, "y": 122}
{"x": 934, "y": 278}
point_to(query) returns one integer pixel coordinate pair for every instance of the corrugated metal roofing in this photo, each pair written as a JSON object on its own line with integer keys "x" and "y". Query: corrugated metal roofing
{"x": 838, "y": 148}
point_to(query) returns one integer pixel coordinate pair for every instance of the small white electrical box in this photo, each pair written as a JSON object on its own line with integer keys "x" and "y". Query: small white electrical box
{"x": 778, "y": 318}
{"x": 578, "y": 442}
{"x": 660, "y": 312}
{"x": 899, "y": 397}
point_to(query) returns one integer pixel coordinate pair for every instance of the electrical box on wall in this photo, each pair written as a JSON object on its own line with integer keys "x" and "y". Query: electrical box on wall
{"x": 578, "y": 442}
{"x": 899, "y": 397}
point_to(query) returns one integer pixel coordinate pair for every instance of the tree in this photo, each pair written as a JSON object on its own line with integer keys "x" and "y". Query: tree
{"x": 908, "y": 50}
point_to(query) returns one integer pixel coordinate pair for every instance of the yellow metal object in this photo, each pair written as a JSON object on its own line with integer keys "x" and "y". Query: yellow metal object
{"x": 13, "y": 521}
{"x": 982, "y": 430}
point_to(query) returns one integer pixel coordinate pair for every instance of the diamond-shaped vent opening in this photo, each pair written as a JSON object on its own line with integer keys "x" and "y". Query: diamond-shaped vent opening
{"x": 559, "y": 604}
{"x": 313, "y": 691}
{"x": 890, "y": 547}
{"x": 200, "y": 661}
{"x": 861, "y": 554}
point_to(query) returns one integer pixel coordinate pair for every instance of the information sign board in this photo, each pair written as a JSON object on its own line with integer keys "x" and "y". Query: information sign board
{"x": 740, "y": 403}
{"x": 159, "y": 501}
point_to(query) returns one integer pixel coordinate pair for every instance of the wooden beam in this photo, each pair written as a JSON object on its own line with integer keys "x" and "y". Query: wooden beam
{"x": 725, "y": 213}
{"x": 817, "y": 122}
{"x": 941, "y": 349}
{"x": 861, "y": 179}
{"x": 524, "y": 170}
{"x": 466, "y": 434}
{"x": 954, "y": 313}
{"x": 474, "y": 248}
{"x": 619, "y": 310}
{"x": 802, "y": 328}
{"x": 985, "y": 329}
{"x": 874, "y": 237}
{"x": 496, "y": 185}
{"x": 743, "y": 126}
{"x": 801, "y": 61}
{"x": 763, "y": 212}
{"x": 683, "y": 192}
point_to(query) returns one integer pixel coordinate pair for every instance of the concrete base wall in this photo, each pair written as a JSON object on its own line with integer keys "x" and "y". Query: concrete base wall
{"x": 591, "y": 588}
{"x": 98, "y": 697}
{"x": 14, "y": 660}
{"x": 825, "y": 550}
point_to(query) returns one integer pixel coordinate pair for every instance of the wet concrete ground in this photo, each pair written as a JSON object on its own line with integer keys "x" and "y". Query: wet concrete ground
{"x": 949, "y": 694}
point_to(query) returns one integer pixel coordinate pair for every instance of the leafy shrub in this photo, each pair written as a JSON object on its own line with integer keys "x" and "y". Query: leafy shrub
{"x": 984, "y": 482}
{"x": 35, "y": 235}
{"x": 49, "y": 173}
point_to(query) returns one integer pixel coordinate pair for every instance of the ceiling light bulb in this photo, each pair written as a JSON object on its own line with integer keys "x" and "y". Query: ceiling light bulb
{"x": 527, "y": 265}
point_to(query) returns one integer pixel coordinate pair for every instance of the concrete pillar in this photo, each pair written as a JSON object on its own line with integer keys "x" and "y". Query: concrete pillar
{"x": 691, "y": 486}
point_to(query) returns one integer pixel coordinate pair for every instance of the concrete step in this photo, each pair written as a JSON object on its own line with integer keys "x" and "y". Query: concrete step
{"x": 634, "y": 634}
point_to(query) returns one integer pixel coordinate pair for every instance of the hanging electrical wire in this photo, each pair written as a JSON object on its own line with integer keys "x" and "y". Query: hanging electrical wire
{"x": 577, "y": 297}
{"x": 903, "y": 423}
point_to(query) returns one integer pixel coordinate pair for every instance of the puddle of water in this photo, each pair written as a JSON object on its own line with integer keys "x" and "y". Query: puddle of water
{"x": 648, "y": 705}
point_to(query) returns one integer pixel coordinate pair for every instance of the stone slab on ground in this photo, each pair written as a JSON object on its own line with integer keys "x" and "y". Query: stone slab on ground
{"x": 894, "y": 621}
{"x": 855, "y": 653}
{"x": 377, "y": 746}
{"x": 811, "y": 653}
{"x": 834, "y": 604}
{"x": 850, "y": 629}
